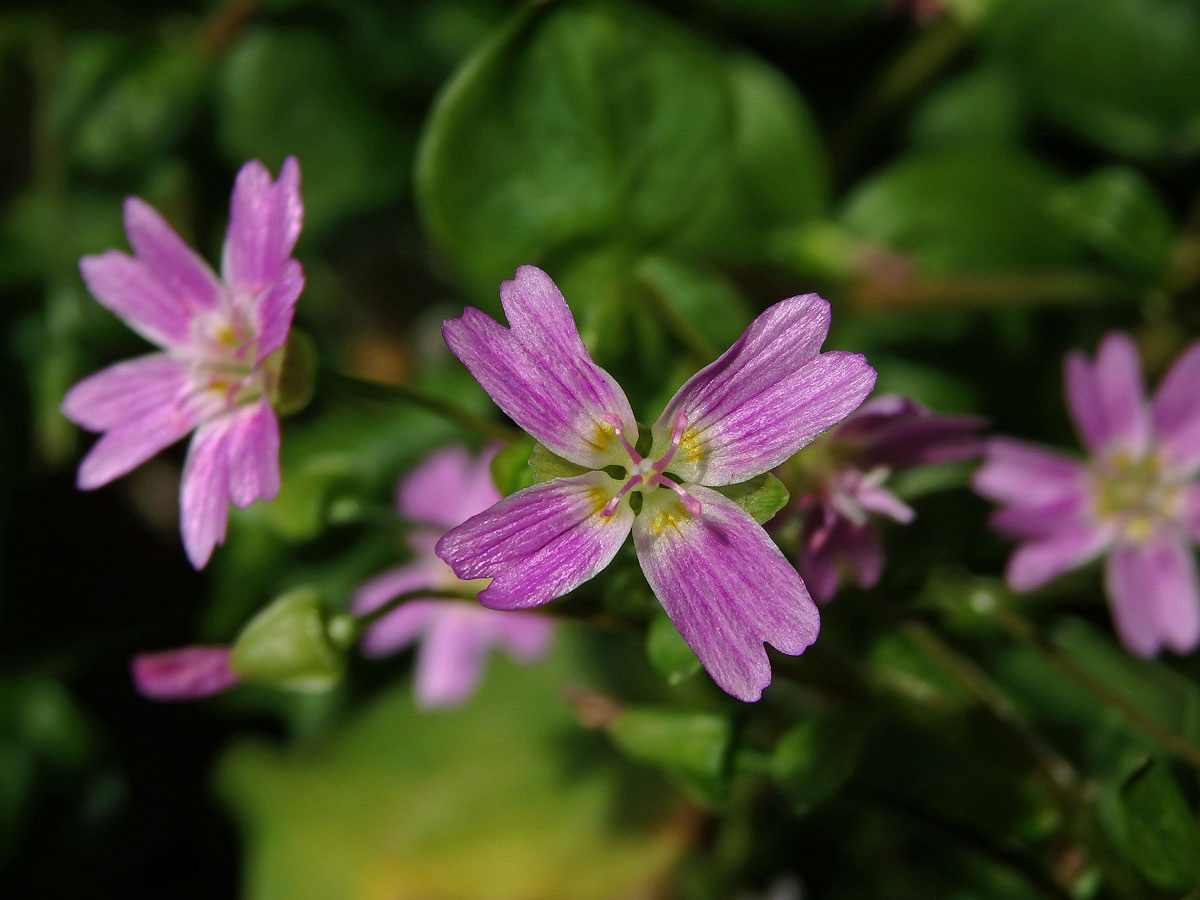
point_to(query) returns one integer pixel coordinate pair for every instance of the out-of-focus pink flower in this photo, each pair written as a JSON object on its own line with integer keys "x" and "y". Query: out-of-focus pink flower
{"x": 455, "y": 637}
{"x": 719, "y": 576}
{"x": 219, "y": 362}
{"x": 187, "y": 673}
{"x": 847, "y": 492}
{"x": 1135, "y": 499}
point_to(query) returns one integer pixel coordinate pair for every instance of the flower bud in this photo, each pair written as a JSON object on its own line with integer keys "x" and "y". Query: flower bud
{"x": 289, "y": 642}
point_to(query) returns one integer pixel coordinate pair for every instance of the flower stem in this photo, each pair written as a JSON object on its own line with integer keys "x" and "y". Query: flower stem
{"x": 1171, "y": 740}
{"x": 379, "y": 392}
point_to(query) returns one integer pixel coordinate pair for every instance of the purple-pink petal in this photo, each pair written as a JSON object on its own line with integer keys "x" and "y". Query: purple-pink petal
{"x": 184, "y": 674}
{"x": 451, "y": 657}
{"x": 127, "y": 391}
{"x": 1037, "y": 520}
{"x": 1155, "y": 599}
{"x": 540, "y": 542}
{"x": 264, "y": 223}
{"x": 183, "y": 274}
{"x": 133, "y": 442}
{"x": 1107, "y": 400}
{"x": 882, "y": 502}
{"x": 448, "y": 487}
{"x": 766, "y": 397}
{"x": 895, "y": 431}
{"x": 725, "y": 585}
{"x": 1176, "y": 411}
{"x": 204, "y": 490}
{"x": 403, "y": 625}
{"x": 1038, "y": 561}
{"x": 128, "y": 288}
{"x": 856, "y": 547}
{"x": 539, "y": 372}
{"x": 526, "y": 636}
{"x": 253, "y": 454}
{"x": 1027, "y": 475}
{"x": 1190, "y": 512}
{"x": 274, "y": 311}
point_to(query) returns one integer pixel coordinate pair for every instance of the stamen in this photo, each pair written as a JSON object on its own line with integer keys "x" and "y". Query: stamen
{"x": 677, "y": 429}
{"x": 611, "y": 506}
{"x": 690, "y": 503}
{"x": 620, "y": 430}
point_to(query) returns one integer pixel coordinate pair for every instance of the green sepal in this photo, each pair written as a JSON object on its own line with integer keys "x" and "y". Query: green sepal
{"x": 289, "y": 643}
{"x": 547, "y": 466}
{"x": 692, "y": 747}
{"x": 510, "y": 467}
{"x": 669, "y": 652}
{"x": 297, "y": 374}
{"x": 762, "y": 496}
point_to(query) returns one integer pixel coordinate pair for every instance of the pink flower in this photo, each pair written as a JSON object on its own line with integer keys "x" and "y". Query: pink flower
{"x": 1135, "y": 500}
{"x": 219, "y": 361}
{"x": 847, "y": 492}
{"x": 445, "y": 490}
{"x": 187, "y": 673}
{"x": 721, "y": 579}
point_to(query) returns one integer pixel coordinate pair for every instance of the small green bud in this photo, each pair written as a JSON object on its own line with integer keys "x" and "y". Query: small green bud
{"x": 291, "y": 642}
{"x": 297, "y": 378}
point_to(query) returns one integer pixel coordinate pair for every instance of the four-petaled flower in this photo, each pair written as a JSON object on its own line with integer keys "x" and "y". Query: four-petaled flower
{"x": 1137, "y": 498}
{"x": 721, "y": 579}
{"x": 445, "y": 490}
{"x": 846, "y": 478}
{"x": 220, "y": 358}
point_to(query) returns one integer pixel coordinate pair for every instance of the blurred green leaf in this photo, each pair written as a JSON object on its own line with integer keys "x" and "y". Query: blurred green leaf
{"x": 396, "y": 804}
{"x": 964, "y": 209}
{"x": 1120, "y": 73}
{"x": 762, "y": 496}
{"x": 144, "y": 111}
{"x": 511, "y": 470}
{"x": 701, "y": 307}
{"x": 815, "y": 758}
{"x": 1120, "y": 215}
{"x": 287, "y": 93}
{"x": 600, "y": 121}
{"x": 1161, "y": 835}
{"x": 669, "y": 652}
{"x": 693, "y": 747}
{"x": 982, "y": 107}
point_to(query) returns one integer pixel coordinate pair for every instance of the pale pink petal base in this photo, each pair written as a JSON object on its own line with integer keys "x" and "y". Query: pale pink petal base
{"x": 725, "y": 585}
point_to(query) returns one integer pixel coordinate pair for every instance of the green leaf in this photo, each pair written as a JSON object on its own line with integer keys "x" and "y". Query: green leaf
{"x": 286, "y": 93}
{"x": 1161, "y": 835}
{"x": 547, "y": 466}
{"x": 984, "y": 106}
{"x": 762, "y": 496}
{"x": 1120, "y": 215}
{"x": 144, "y": 110}
{"x": 396, "y": 803}
{"x": 964, "y": 210}
{"x": 289, "y": 643}
{"x": 669, "y": 652}
{"x": 602, "y": 123}
{"x": 1119, "y": 73}
{"x": 701, "y": 307}
{"x": 814, "y": 759}
{"x": 694, "y": 747}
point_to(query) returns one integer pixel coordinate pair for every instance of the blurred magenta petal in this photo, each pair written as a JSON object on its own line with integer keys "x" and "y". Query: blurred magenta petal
{"x": 1026, "y": 474}
{"x": 1155, "y": 599}
{"x": 766, "y": 397}
{"x": 403, "y": 626}
{"x": 448, "y": 487}
{"x": 450, "y": 660}
{"x": 896, "y": 431}
{"x": 840, "y": 545}
{"x": 1107, "y": 399}
{"x": 214, "y": 375}
{"x": 725, "y": 585}
{"x": 184, "y": 674}
{"x": 540, "y": 542}
{"x": 1176, "y": 411}
{"x": 204, "y": 490}
{"x": 526, "y": 636}
{"x": 183, "y": 275}
{"x": 253, "y": 454}
{"x": 127, "y": 391}
{"x": 264, "y": 223}
{"x": 1040, "y": 560}
{"x": 129, "y": 289}
{"x": 539, "y": 372}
